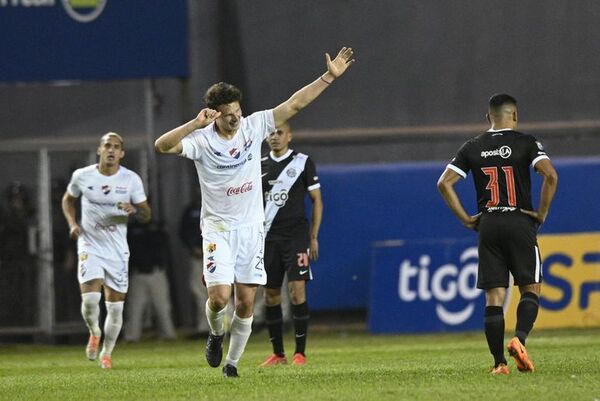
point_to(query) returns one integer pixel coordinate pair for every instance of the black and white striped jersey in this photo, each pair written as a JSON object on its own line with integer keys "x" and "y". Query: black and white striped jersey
{"x": 286, "y": 180}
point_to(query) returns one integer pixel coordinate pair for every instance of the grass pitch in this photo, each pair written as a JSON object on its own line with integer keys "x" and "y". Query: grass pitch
{"x": 341, "y": 366}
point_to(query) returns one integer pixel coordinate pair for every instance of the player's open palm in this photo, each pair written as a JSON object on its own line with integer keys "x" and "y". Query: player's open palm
{"x": 341, "y": 62}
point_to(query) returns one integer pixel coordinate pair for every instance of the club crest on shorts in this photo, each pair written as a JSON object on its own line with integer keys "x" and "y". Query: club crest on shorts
{"x": 210, "y": 248}
{"x": 211, "y": 266}
{"x": 83, "y": 256}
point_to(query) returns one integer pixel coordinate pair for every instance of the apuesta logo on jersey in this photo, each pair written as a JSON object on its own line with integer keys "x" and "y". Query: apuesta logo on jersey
{"x": 451, "y": 287}
{"x": 79, "y": 10}
{"x": 504, "y": 152}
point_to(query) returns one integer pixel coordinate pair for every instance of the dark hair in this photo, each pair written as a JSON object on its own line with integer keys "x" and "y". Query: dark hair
{"x": 222, "y": 93}
{"x": 500, "y": 99}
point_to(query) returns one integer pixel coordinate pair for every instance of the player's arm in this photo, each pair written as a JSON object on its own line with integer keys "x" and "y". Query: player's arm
{"x": 315, "y": 225}
{"x": 445, "y": 185}
{"x": 69, "y": 209}
{"x": 140, "y": 211}
{"x": 302, "y": 98}
{"x": 170, "y": 142}
{"x": 549, "y": 184}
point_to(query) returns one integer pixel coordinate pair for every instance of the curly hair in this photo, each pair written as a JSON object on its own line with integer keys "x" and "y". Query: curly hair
{"x": 222, "y": 93}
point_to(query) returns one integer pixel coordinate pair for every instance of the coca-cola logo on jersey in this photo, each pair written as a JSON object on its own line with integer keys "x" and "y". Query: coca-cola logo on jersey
{"x": 245, "y": 187}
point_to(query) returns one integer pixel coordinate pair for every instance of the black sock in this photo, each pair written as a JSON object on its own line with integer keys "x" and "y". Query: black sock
{"x": 494, "y": 332}
{"x": 526, "y": 314}
{"x": 300, "y": 316}
{"x": 274, "y": 321}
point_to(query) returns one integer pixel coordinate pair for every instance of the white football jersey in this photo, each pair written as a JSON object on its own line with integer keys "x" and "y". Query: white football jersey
{"x": 104, "y": 225}
{"x": 229, "y": 172}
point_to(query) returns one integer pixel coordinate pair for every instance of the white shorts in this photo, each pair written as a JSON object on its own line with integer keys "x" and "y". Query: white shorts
{"x": 114, "y": 272}
{"x": 235, "y": 256}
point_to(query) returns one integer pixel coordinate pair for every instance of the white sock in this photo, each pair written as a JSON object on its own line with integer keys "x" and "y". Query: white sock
{"x": 112, "y": 325}
{"x": 215, "y": 320}
{"x": 238, "y": 337}
{"x": 90, "y": 310}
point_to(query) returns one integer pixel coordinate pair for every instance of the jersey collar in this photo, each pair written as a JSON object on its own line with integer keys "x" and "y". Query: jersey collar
{"x": 278, "y": 159}
{"x": 499, "y": 130}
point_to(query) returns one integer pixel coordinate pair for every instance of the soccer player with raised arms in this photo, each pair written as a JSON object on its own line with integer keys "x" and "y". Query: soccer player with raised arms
{"x": 225, "y": 147}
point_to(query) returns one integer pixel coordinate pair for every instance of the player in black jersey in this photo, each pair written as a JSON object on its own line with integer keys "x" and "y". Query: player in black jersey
{"x": 287, "y": 177}
{"x": 506, "y": 221}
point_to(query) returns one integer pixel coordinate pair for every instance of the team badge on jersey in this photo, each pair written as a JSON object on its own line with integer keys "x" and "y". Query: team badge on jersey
{"x": 235, "y": 153}
{"x": 210, "y": 248}
{"x": 106, "y": 189}
{"x": 83, "y": 256}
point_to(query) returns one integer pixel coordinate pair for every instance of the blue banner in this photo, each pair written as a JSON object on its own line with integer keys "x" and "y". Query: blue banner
{"x": 425, "y": 286}
{"x": 49, "y": 40}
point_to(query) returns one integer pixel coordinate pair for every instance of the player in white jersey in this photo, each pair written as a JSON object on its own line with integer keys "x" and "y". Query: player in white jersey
{"x": 225, "y": 148}
{"x": 110, "y": 194}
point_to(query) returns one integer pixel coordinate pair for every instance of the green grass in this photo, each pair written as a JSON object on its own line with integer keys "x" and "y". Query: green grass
{"x": 342, "y": 366}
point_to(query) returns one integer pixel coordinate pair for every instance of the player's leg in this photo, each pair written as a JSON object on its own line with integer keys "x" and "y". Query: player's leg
{"x": 219, "y": 276}
{"x": 241, "y": 324}
{"x": 116, "y": 285}
{"x": 200, "y": 294}
{"x": 90, "y": 310}
{"x": 526, "y": 269}
{"x": 248, "y": 244}
{"x": 300, "y": 315}
{"x": 493, "y": 277}
{"x": 115, "y": 302}
{"x": 494, "y": 327}
{"x": 91, "y": 277}
{"x": 274, "y": 315}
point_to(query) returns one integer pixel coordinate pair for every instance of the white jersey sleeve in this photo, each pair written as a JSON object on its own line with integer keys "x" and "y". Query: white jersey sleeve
{"x": 73, "y": 188}
{"x": 191, "y": 145}
{"x": 137, "y": 189}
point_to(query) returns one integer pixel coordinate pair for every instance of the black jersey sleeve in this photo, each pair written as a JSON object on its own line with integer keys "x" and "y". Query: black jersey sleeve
{"x": 311, "y": 179}
{"x": 460, "y": 162}
{"x": 536, "y": 151}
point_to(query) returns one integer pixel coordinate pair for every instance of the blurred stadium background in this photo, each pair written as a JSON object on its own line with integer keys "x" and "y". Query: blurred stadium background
{"x": 393, "y": 257}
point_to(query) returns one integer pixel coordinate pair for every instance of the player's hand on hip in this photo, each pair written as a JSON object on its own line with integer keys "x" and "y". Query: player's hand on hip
{"x": 207, "y": 116}
{"x": 473, "y": 222}
{"x": 74, "y": 231}
{"x": 314, "y": 249}
{"x": 340, "y": 63}
{"x": 536, "y": 215}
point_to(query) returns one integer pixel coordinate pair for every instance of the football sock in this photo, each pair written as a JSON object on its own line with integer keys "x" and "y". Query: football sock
{"x": 112, "y": 325}
{"x": 300, "y": 316}
{"x": 494, "y": 332}
{"x": 526, "y": 314}
{"x": 90, "y": 310}
{"x": 274, "y": 321}
{"x": 215, "y": 320}
{"x": 238, "y": 337}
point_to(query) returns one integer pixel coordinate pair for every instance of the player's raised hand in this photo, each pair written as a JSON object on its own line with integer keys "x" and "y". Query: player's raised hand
{"x": 340, "y": 63}
{"x": 207, "y": 116}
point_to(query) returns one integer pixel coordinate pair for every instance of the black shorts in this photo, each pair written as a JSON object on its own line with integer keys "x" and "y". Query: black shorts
{"x": 286, "y": 257}
{"x": 508, "y": 243}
